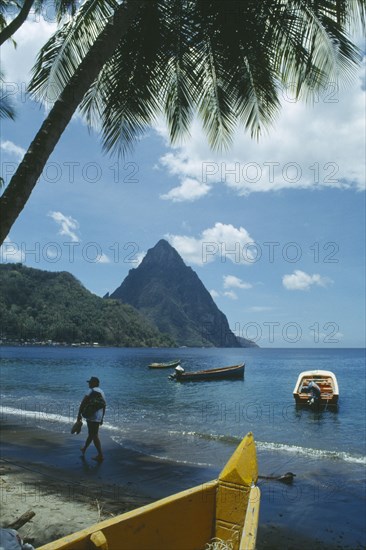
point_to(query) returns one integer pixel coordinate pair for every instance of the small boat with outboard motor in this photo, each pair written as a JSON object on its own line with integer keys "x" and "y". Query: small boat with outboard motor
{"x": 316, "y": 388}
{"x": 223, "y": 373}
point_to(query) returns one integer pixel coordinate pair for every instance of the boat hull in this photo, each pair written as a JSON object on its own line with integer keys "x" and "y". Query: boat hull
{"x": 234, "y": 372}
{"x": 170, "y": 365}
{"x": 327, "y": 382}
{"x": 226, "y": 508}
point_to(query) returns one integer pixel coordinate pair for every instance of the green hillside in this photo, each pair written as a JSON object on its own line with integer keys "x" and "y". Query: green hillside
{"x": 38, "y": 305}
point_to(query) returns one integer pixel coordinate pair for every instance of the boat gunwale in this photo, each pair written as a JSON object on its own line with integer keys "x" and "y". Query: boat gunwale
{"x": 77, "y": 536}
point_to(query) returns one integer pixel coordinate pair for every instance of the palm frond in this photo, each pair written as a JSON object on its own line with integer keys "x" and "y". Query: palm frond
{"x": 177, "y": 82}
{"x": 124, "y": 99}
{"x": 216, "y": 106}
{"x": 329, "y": 53}
{"x": 351, "y": 14}
{"x": 59, "y": 8}
{"x": 65, "y": 7}
{"x": 217, "y": 97}
{"x": 226, "y": 60}
{"x": 62, "y": 54}
{"x": 6, "y": 108}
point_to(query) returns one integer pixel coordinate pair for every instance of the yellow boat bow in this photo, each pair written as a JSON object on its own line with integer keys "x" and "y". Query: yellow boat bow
{"x": 226, "y": 508}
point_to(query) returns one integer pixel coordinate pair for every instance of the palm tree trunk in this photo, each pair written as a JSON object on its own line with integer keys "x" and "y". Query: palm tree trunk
{"x": 29, "y": 170}
{"x": 17, "y": 22}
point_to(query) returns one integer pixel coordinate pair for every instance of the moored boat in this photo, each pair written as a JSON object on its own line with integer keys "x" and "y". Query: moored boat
{"x": 235, "y": 371}
{"x": 316, "y": 387}
{"x": 168, "y": 365}
{"x": 226, "y": 508}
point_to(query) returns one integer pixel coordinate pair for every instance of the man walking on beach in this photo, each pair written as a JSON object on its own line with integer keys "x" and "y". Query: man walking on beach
{"x": 92, "y": 408}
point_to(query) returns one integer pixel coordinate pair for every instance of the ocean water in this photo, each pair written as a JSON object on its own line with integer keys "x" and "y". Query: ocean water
{"x": 194, "y": 422}
{"x": 201, "y": 423}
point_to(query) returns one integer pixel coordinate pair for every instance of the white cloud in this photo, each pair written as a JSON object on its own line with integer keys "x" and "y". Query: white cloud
{"x": 12, "y": 149}
{"x": 230, "y": 281}
{"x": 180, "y": 162}
{"x": 189, "y": 190}
{"x": 103, "y": 259}
{"x": 222, "y": 241}
{"x": 68, "y": 225}
{"x": 10, "y": 252}
{"x": 299, "y": 280}
{"x": 311, "y": 147}
{"x": 230, "y": 294}
{"x": 17, "y": 62}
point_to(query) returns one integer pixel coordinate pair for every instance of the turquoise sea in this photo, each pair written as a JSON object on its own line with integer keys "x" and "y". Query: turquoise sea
{"x": 200, "y": 423}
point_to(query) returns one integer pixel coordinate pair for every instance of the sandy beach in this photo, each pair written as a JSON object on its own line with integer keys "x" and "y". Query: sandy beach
{"x": 62, "y": 500}
{"x": 43, "y": 471}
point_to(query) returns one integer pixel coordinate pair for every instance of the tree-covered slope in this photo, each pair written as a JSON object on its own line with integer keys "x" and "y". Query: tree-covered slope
{"x": 42, "y": 305}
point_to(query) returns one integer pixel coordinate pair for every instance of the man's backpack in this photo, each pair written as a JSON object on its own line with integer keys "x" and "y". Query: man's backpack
{"x": 94, "y": 402}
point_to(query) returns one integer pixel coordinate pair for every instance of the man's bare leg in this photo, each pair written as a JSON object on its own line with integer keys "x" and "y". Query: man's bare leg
{"x": 98, "y": 447}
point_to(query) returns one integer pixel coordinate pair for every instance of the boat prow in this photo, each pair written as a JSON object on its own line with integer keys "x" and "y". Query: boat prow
{"x": 226, "y": 508}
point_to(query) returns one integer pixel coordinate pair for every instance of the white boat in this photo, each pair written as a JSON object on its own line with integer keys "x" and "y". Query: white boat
{"x": 316, "y": 387}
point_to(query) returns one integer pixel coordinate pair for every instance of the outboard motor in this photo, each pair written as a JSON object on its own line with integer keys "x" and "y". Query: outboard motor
{"x": 314, "y": 391}
{"x": 177, "y": 372}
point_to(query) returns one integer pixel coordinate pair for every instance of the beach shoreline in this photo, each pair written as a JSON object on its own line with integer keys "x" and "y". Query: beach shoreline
{"x": 44, "y": 471}
{"x": 62, "y": 499}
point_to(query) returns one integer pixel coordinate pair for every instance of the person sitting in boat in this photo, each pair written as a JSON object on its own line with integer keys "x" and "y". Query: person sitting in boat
{"x": 177, "y": 372}
{"x": 314, "y": 391}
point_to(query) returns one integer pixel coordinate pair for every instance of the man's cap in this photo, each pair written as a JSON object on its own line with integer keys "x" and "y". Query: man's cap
{"x": 94, "y": 380}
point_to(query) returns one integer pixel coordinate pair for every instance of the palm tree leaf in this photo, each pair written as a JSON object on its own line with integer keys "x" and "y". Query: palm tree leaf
{"x": 177, "y": 84}
{"x": 64, "y": 7}
{"x": 6, "y": 108}
{"x": 226, "y": 60}
{"x": 124, "y": 98}
{"x": 328, "y": 53}
{"x": 62, "y": 54}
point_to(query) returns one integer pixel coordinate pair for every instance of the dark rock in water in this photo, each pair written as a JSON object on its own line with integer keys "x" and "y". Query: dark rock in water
{"x": 171, "y": 295}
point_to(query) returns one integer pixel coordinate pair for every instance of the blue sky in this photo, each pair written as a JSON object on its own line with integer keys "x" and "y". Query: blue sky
{"x": 275, "y": 230}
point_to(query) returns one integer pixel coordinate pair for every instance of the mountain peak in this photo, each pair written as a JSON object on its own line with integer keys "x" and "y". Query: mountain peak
{"x": 163, "y": 244}
{"x": 162, "y": 253}
{"x": 171, "y": 295}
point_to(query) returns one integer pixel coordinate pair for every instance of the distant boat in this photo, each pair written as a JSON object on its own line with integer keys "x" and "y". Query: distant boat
{"x": 316, "y": 387}
{"x": 224, "y": 509}
{"x": 169, "y": 365}
{"x": 236, "y": 371}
